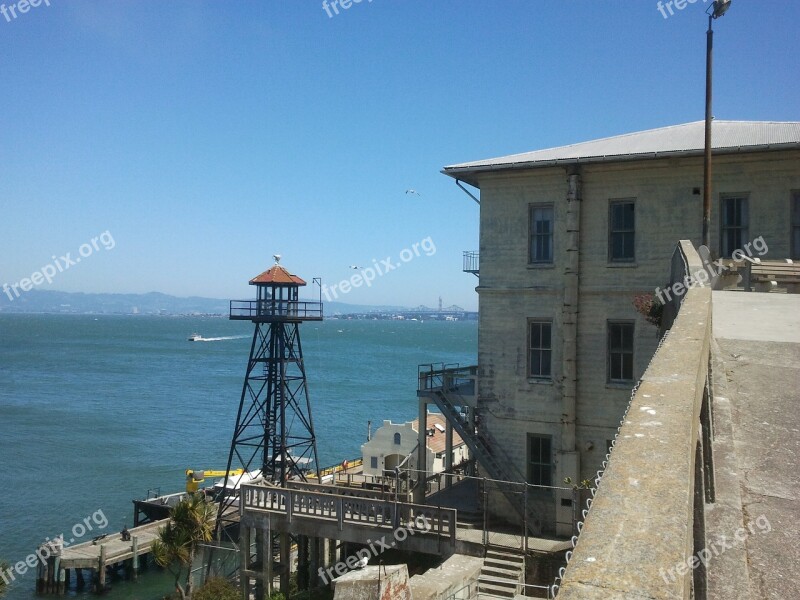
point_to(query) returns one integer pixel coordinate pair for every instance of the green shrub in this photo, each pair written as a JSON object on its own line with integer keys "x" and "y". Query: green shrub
{"x": 217, "y": 589}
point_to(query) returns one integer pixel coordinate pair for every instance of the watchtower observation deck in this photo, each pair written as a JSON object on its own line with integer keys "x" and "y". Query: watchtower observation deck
{"x": 277, "y": 300}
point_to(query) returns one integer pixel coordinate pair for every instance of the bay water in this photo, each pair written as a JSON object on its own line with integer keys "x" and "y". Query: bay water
{"x": 97, "y": 410}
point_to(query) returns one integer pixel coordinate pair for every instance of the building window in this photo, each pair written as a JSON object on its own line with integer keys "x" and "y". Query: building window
{"x": 620, "y": 352}
{"x": 735, "y": 221}
{"x": 541, "y": 234}
{"x": 540, "y": 461}
{"x": 621, "y": 231}
{"x": 396, "y": 439}
{"x": 540, "y": 349}
{"x": 796, "y": 225}
{"x": 373, "y": 462}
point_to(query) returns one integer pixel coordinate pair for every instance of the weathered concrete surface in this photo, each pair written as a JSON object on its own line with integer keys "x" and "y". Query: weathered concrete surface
{"x": 455, "y": 573}
{"x": 388, "y": 582}
{"x": 758, "y": 317}
{"x": 640, "y": 527}
{"x": 758, "y": 337}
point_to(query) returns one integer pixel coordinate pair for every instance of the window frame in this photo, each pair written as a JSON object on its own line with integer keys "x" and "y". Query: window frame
{"x": 397, "y": 439}
{"x": 540, "y": 465}
{"x": 373, "y": 462}
{"x": 612, "y": 232}
{"x": 533, "y": 235}
{"x": 541, "y": 349}
{"x": 744, "y": 230}
{"x": 609, "y": 351}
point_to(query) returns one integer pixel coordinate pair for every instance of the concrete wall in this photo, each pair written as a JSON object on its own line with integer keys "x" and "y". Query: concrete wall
{"x": 642, "y": 525}
{"x": 374, "y": 583}
{"x": 382, "y": 446}
{"x": 452, "y": 576}
{"x": 511, "y": 291}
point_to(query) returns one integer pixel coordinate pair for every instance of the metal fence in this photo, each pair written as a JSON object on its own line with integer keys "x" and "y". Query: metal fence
{"x": 489, "y": 510}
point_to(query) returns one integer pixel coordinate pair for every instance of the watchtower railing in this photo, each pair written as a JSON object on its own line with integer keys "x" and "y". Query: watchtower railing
{"x": 275, "y": 310}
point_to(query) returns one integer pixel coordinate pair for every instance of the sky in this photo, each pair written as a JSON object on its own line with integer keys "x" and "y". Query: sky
{"x": 192, "y": 140}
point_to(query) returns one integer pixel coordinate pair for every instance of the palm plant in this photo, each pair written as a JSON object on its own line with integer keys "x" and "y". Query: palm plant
{"x": 4, "y": 568}
{"x": 191, "y": 523}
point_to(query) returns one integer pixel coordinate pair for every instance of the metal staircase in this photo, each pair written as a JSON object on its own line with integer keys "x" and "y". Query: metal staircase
{"x": 446, "y": 387}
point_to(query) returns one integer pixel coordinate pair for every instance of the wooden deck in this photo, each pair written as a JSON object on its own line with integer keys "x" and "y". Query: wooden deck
{"x": 95, "y": 555}
{"x": 111, "y": 549}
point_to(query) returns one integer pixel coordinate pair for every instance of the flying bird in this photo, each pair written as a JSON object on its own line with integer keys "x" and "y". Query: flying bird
{"x": 277, "y": 258}
{"x": 413, "y": 192}
{"x": 354, "y": 267}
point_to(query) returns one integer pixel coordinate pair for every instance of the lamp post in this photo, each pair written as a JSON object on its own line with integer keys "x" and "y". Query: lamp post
{"x": 718, "y": 9}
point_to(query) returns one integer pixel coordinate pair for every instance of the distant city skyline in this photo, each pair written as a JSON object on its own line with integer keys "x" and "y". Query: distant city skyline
{"x": 205, "y": 141}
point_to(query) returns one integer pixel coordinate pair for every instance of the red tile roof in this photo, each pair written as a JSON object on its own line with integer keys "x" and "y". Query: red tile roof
{"x": 436, "y": 442}
{"x": 277, "y": 274}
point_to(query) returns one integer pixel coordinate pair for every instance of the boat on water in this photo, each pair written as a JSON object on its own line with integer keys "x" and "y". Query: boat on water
{"x": 195, "y": 337}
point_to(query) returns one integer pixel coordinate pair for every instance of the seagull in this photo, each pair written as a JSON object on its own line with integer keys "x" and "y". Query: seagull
{"x": 413, "y": 192}
{"x": 354, "y": 267}
{"x": 277, "y": 258}
{"x": 362, "y": 562}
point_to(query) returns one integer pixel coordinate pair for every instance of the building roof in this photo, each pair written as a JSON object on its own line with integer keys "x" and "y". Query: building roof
{"x": 436, "y": 442}
{"x": 277, "y": 274}
{"x": 677, "y": 140}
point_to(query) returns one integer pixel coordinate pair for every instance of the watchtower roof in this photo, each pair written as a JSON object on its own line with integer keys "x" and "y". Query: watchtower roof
{"x": 277, "y": 274}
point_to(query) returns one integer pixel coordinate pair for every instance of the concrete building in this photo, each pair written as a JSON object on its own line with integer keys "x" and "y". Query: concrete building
{"x": 569, "y": 236}
{"x": 395, "y": 444}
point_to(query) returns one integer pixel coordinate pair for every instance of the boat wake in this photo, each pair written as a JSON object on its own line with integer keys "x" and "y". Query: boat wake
{"x": 220, "y": 339}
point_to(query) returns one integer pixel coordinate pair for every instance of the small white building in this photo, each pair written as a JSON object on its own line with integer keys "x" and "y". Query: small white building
{"x": 393, "y": 443}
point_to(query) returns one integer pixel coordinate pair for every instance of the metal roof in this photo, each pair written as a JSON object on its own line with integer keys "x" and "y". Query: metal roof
{"x": 682, "y": 140}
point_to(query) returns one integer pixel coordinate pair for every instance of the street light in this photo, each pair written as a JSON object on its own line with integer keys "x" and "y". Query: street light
{"x": 715, "y": 11}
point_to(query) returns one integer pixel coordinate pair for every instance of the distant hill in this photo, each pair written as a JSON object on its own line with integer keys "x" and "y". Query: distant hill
{"x": 154, "y": 303}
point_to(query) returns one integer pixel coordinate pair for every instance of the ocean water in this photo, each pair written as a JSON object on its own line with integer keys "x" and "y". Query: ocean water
{"x": 97, "y": 410}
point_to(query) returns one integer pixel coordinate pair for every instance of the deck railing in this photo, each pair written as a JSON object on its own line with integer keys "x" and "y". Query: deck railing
{"x": 374, "y": 513}
{"x": 275, "y": 310}
{"x": 471, "y": 262}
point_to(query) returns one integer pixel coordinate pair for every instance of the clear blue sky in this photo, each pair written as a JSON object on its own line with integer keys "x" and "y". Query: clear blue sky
{"x": 206, "y": 136}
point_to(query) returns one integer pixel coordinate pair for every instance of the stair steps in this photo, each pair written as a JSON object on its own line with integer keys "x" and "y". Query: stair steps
{"x": 501, "y": 575}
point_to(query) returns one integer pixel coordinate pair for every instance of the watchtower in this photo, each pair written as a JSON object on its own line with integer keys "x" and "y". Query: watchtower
{"x": 274, "y": 434}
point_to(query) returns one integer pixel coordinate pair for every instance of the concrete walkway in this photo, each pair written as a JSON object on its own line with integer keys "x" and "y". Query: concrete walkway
{"x": 754, "y": 526}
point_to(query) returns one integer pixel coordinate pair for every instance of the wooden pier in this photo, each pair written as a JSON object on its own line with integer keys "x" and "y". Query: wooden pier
{"x": 96, "y": 556}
